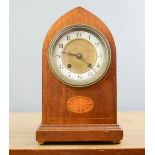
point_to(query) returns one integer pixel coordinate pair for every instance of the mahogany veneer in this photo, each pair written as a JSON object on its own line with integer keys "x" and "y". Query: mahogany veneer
{"x": 60, "y": 124}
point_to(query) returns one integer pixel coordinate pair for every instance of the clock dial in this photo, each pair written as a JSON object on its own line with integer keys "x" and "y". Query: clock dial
{"x": 79, "y": 55}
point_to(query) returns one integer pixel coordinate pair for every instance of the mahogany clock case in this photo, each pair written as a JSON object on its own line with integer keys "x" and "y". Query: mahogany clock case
{"x": 58, "y": 123}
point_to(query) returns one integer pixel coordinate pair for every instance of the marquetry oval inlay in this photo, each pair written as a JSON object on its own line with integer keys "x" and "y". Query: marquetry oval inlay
{"x": 80, "y": 104}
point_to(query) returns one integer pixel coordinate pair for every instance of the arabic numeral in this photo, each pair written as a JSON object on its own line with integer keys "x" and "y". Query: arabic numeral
{"x": 78, "y": 35}
{"x": 97, "y": 44}
{"x": 61, "y": 66}
{"x": 79, "y": 76}
{"x": 57, "y": 55}
{"x": 100, "y": 55}
{"x": 90, "y": 74}
{"x": 60, "y": 45}
{"x": 68, "y": 37}
{"x": 69, "y": 74}
{"x": 98, "y": 65}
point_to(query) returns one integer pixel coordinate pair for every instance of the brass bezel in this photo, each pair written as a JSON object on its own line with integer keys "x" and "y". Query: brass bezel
{"x": 55, "y": 70}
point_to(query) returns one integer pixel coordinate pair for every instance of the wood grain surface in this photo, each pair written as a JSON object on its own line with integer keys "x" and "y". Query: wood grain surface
{"x": 22, "y": 138}
{"x": 55, "y": 94}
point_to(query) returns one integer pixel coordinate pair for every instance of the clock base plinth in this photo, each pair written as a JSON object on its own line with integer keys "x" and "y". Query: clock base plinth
{"x": 79, "y": 133}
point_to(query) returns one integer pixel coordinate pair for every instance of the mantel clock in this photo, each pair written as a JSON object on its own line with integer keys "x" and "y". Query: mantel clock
{"x": 79, "y": 100}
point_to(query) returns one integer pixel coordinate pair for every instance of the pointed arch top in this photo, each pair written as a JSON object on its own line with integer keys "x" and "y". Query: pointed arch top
{"x": 78, "y": 16}
{"x": 105, "y": 87}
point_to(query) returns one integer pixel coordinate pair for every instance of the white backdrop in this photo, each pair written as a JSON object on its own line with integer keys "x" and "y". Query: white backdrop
{"x": 29, "y": 22}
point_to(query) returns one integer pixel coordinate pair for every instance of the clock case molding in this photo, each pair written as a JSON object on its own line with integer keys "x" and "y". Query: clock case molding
{"x": 58, "y": 123}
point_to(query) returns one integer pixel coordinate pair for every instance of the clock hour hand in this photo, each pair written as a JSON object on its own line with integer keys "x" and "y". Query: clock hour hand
{"x": 77, "y": 55}
{"x": 69, "y": 53}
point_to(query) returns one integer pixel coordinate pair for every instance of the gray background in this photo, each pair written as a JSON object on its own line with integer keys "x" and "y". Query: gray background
{"x": 29, "y": 22}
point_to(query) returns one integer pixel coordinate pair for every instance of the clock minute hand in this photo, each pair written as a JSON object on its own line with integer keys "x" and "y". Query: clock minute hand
{"x": 89, "y": 64}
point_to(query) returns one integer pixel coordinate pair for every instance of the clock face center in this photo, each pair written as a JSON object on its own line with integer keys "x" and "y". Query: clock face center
{"x": 79, "y": 53}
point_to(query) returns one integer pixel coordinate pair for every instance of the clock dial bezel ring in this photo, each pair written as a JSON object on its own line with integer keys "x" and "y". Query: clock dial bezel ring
{"x": 57, "y": 73}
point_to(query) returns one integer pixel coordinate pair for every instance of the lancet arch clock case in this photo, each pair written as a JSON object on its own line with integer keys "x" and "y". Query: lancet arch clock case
{"x": 79, "y": 99}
